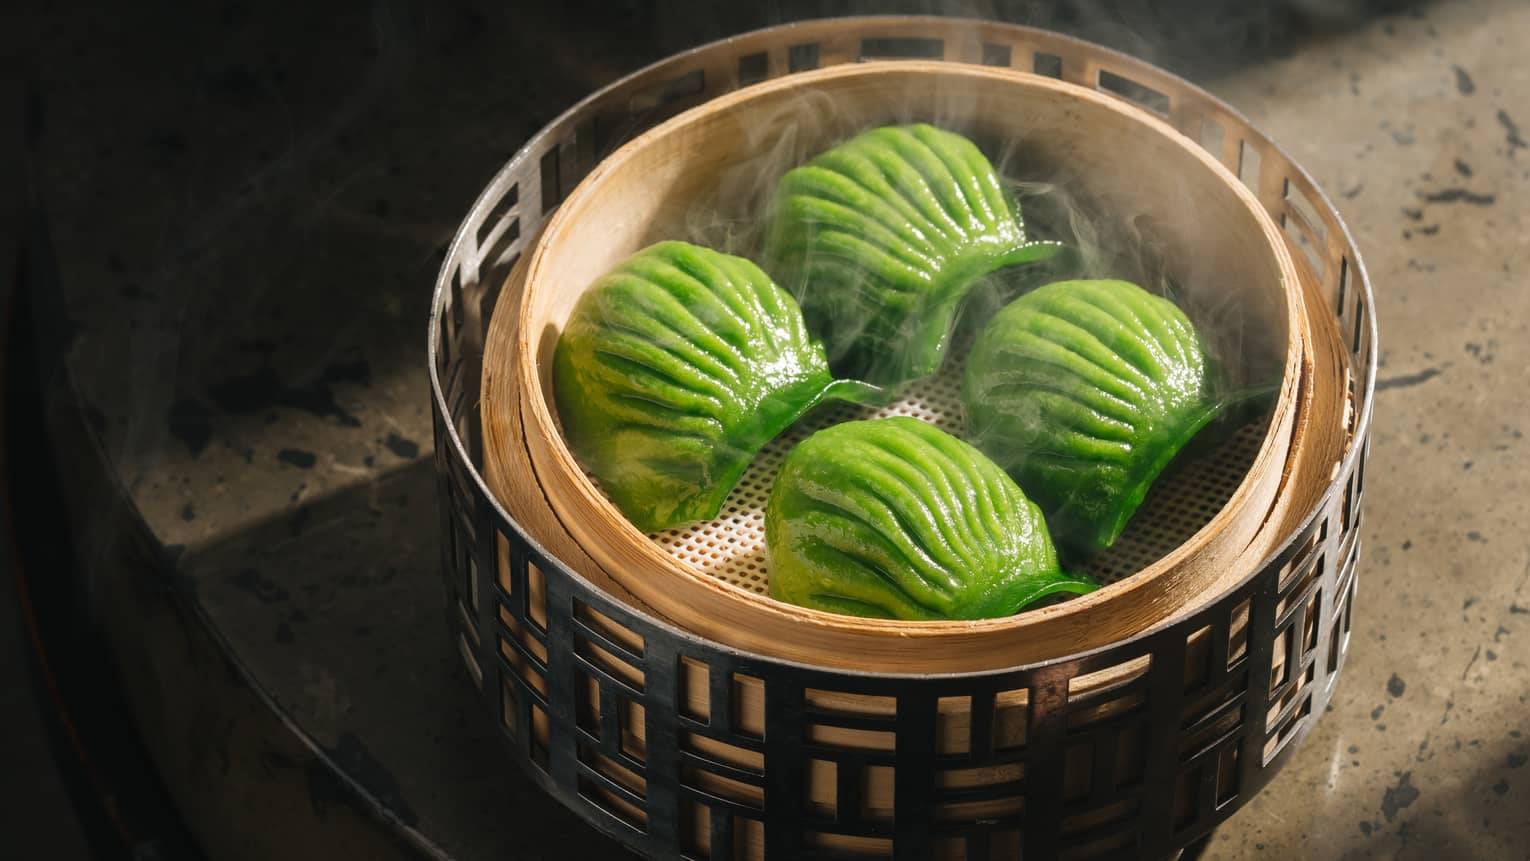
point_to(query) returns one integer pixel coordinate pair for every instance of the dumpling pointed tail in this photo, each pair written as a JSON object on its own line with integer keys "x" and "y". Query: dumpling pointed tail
{"x": 1064, "y": 584}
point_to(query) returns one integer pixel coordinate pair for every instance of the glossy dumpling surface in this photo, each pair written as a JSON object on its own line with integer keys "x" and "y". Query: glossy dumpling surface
{"x": 1084, "y": 391}
{"x": 673, "y": 370}
{"x": 895, "y": 518}
{"x": 883, "y": 236}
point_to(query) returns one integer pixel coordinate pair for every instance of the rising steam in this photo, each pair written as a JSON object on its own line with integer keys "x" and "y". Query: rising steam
{"x": 1055, "y": 200}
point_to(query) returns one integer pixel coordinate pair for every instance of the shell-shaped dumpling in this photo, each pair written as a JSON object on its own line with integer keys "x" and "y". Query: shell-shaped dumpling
{"x": 881, "y": 238}
{"x": 673, "y": 370}
{"x": 1084, "y": 391}
{"x": 895, "y": 518}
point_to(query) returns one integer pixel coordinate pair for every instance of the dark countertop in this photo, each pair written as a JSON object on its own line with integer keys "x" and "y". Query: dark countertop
{"x": 248, "y": 237}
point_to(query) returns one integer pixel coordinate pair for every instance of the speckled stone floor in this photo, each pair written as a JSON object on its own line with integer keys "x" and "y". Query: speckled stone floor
{"x": 1413, "y": 126}
{"x": 250, "y": 243}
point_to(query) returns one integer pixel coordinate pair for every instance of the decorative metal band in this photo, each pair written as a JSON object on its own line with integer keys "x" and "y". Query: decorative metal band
{"x": 641, "y": 727}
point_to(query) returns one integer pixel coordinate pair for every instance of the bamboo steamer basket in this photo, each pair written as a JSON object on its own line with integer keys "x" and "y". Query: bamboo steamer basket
{"x": 1231, "y": 253}
{"x": 953, "y": 720}
{"x": 680, "y": 743}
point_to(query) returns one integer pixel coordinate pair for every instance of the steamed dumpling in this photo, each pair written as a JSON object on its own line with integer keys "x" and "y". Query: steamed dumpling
{"x": 674, "y": 369}
{"x": 1084, "y": 391}
{"x": 883, "y": 236}
{"x": 895, "y": 518}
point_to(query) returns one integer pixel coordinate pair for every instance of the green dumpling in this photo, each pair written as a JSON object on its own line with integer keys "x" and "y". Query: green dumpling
{"x": 1084, "y": 391}
{"x": 895, "y": 518}
{"x": 883, "y": 236}
{"x": 674, "y": 369}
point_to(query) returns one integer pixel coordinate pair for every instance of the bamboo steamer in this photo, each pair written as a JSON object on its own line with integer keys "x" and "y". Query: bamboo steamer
{"x": 647, "y": 190}
{"x": 1319, "y": 419}
{"x": 1323, "y": 440}
{"x": 525, "y": 502}
{"x": 953, "y": 719}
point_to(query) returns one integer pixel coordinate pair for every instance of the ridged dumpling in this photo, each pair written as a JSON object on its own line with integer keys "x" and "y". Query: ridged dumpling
{"x": 881, "y": 238}
{"x": 674, "y": 369}
{"x": 895, "y": 518}
{"x": 1084, "y": 391}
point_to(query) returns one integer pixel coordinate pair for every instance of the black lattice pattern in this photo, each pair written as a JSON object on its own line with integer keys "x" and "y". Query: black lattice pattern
{"x": 682, "y": 748}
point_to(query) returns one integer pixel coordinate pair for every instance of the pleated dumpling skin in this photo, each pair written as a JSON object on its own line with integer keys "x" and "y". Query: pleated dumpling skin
{"x": 1084, "y": 391}
{"x": 881, "y": 238}
{"x": 673, "y": 370}
{"x": 895, "y": 518}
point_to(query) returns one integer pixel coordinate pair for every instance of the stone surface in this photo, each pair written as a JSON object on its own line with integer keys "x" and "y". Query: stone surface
{"x": 250, "y": 241}
{"x": 1409, "y": 126}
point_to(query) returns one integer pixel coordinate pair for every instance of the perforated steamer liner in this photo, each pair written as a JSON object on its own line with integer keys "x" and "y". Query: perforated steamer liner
{"x": 1227, "y": 248}
{"x": 681, "y": 746}
{"x": 731, "y": 547}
